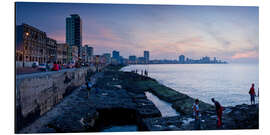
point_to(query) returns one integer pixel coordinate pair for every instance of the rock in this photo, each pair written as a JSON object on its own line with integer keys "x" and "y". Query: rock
{"x": 162, "y": 124}
{"x": 146, "y": 109}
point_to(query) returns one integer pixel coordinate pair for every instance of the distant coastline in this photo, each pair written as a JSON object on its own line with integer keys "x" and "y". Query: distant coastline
{"x": 176, "y": 63}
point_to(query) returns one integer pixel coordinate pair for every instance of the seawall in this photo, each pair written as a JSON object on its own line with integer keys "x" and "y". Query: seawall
{"x": 37, "y": 93}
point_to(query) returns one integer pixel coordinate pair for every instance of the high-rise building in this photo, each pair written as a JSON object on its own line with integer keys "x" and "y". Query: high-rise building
{"x": 74, "y": 32}
{"x": 182, "y": 59}
{"x": 89, "y": 50}
{"x": 116, "y": 56}
{"x": 107, "y": 58}
{"x": 132, "y": 59}
{"x": 146, "y": 56}
{"x": 215, "y": 59}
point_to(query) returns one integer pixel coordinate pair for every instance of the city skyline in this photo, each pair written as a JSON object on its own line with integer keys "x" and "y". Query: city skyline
{"x": 228, "y": 33}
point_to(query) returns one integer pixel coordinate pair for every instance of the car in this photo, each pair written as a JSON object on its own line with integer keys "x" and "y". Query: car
{"x": 35, "y": 64}
{"x": 42, "y": 67}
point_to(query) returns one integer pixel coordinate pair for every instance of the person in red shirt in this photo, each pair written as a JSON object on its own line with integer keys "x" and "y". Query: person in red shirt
{"x": 55, "y": 67}
{"x": 252, "y": 94}
{"x": 219, "y": 110}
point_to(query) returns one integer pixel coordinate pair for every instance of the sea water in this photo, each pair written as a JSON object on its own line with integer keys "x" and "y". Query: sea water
{"x": 227, "y": 83}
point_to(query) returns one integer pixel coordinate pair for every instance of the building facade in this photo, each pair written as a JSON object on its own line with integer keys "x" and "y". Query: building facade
{"x": 107, "y": 58}
{"x": 146, "y": 56}
{"x": 74, "y": 53}
{"x": 116, "y": 56}
{"x": 132, "y": 59}
{"x": 62, "y": 53}
{"x": 182, "y": 59}
{"x": 51, "y": 50}
{"x": 33, "y": 45}
{"x": 87, "y": 54}
{"x": 74, "y": 32}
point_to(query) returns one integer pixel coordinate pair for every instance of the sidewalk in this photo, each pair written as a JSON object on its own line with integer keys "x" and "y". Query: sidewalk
{"x": 27, "y": 70}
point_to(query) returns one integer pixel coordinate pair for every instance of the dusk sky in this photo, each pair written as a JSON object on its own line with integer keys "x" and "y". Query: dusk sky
{"x": 230, "y": 33}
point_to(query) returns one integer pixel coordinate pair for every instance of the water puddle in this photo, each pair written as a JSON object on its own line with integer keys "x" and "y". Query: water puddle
{"x": 164, "y": 107}
{"x": 125, "y": 128}
{"x": 187, "y": 121}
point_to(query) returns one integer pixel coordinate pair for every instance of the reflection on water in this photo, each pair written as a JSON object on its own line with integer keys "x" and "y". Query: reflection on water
{"x": 164, "y": 107}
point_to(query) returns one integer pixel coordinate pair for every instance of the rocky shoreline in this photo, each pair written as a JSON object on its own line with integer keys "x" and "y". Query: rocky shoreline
{"x": 118, "y": 98}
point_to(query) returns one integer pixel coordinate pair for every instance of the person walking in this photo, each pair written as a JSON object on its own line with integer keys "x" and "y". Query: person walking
{"x": 196, "y": 114}
{"x": 252, "y": 94}
{"x": 219, "y": 110}
{"x": 88, "y": 87}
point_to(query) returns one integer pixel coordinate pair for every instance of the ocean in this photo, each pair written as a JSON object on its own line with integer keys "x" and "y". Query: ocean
{"x": 227, "y": 83}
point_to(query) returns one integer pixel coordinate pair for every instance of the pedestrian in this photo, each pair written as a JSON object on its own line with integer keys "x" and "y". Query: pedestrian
{"x": 252, "y": 94}
{"x": 219, "y": 110}
{"x": 88, "y": 87}
{"x": 55, "y": 66}
{"x": 196, "y": 114}
{"x": 141, "y": 72}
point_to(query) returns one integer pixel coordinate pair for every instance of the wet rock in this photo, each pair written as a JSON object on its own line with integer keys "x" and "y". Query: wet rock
{"x": 146, "y": 109}
{"x": 108, "y": 99}
{"x": 162, "y": 124}
{"x": 245, "y": 116}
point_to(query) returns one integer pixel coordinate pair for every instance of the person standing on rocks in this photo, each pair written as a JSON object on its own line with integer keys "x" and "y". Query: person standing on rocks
{"x": 145, "y": 72}
{"x": 219, "y": 110}
{"x": 196, "y": 114}
{"x": 252, "y": 94}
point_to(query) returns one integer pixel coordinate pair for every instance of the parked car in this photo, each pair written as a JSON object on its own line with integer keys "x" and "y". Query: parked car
{"x": 42, "y": 67}
{"x": 71, "y": 65}
{"x": 35, "y": 64}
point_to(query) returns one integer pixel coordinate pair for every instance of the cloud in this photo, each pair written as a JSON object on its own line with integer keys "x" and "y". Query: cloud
{"x": 249, "y": 54}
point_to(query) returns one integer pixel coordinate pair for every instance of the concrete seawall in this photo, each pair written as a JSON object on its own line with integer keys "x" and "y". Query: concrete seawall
{"x": 37, "y": 93}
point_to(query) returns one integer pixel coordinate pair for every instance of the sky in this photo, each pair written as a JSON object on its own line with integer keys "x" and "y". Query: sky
{"x": 229, "y": 33}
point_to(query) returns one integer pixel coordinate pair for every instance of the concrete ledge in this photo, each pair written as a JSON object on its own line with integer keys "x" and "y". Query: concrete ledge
{"x": 37, "y": 93}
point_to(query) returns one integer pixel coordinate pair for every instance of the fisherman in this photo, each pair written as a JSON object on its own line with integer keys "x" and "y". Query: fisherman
{"x": 145, "y": 72}
{"x": 196, "y": 114}
{"x": 252, "y": 94}
{"x": 219, "y": 110}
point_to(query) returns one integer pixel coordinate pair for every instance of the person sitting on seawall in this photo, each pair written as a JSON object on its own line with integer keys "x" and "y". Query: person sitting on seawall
{"x": 252, "y": 94}
{"x": 196, "y": 114}
{"x": 219, "y": 110}
{"x": 55, "y": 67}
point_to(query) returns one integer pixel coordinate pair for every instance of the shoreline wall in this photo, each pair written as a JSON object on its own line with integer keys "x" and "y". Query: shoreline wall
{"x": 37, "y": 93}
